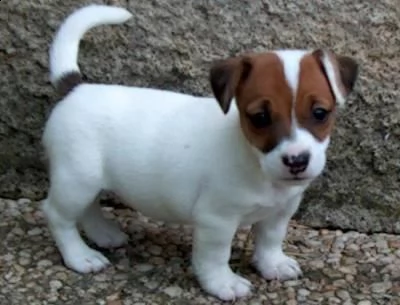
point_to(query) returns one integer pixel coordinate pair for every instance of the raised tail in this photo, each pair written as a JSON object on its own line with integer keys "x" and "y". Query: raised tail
{"x": 64, "y": 69}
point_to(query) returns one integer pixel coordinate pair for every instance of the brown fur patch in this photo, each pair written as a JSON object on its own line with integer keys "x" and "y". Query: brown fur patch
{"x": 68, "y": 82}
{"x": 314, "y": 91}
{"x": 348, "y": 71}
{"x": 265, "y": 88}
{"x": 259, "y": 84}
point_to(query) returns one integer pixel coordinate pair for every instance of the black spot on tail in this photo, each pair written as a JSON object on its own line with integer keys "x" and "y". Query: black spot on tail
{"x": 68, "y": 82}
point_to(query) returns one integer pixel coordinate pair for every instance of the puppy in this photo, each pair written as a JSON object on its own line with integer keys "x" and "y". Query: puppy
{"x": 242, "y": 157}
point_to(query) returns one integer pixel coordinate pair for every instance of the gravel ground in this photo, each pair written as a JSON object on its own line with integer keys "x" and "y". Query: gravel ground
{"x": 339, "y": 268}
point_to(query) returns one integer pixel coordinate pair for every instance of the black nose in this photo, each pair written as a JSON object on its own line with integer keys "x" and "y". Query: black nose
{"x": 296, "y": 163}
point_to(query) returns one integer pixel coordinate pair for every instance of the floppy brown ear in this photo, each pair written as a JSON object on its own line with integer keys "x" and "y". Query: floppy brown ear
{"x": 341, "y": 72}
{"x": 225, "y": 77}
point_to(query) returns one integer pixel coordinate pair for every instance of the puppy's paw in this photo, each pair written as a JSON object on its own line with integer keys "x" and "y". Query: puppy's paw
{"x": 86, "y": 260}
{"x": 277, "y": 266}
{"x": 227, "y": 286}
{"x": 106, "y": 234}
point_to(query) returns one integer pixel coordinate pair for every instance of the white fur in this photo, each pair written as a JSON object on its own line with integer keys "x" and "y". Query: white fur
{"x": 174, "y": 157}
{"x": 290, "y": 60}
{"x": 300, "y": 141}
{"x": 331, "y": 74}
{"x": 64, "y": 50}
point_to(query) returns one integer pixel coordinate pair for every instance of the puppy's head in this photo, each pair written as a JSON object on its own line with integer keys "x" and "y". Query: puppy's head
{"x": 287, "y": 101}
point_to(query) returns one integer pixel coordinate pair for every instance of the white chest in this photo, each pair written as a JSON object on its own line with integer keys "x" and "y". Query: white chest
{"x": 273, "y": 204}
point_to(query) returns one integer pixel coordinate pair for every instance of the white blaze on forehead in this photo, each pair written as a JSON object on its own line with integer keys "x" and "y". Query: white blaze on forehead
{"x": 291, "y": 66}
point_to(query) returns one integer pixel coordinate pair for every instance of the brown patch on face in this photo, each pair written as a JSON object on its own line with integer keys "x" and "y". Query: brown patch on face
{"x": 315, "y": 105}
{"x": 265, "y": 93}
{"x": 263, "y": 97}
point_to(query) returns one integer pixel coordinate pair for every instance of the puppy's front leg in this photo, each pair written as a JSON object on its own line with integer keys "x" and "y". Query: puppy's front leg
{"x": 268, "y": 257}
{"x": 211, "y": 252}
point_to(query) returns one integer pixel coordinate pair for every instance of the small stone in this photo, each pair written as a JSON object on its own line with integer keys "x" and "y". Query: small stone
{"x": 24, "y": 201}
{"x": 291, "y": 293}
{"x": 348, "y": 270}
{"x": 365, "y": 302}
{"x": 8, "y": 257}
{"x": 386, "y": 260}
{"x": 23, "y": 261}
{"x": 343, "y": 295}
{"x": 55, "y": 285}
{"x": 324, "y": 232}
{"x": 303, "y": 292}
{"x": 155, "y": 250}
{"x": 34, "y": 232}
{"x": 291, "y": 302}
{"x": 341, "y": 283}
{"x": 316, "y": 296}
{"x": 317, "y": 264}
{"x": 292, "y": 283}
{"x": 157, "y": 261}
{"x": 173, "y": 291}
{"x": 272, "y": 295}
{"x": 44, "y": 263}
{"x": 151, "y": 285}
{"x": 114, "y": 299}
{"x": 353, "y": 247}
{"x": 394, "y": 244}
{"x": 368, "y": 246}
{"x": 18, "y": 231}
{"x": 380, "y": 287}
{"x": 382, "y": 244}
{"x": 53, "y": 297}
{"x": 101, "y": 277}
{"x": 329, "y": 291}
{"x": 144, "y": 267}
{"x": 334, "y": 300}
{"x": 333, "y": 274}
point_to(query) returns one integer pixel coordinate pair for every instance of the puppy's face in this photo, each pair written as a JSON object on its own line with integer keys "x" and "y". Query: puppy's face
{"x": 287, "y": 102}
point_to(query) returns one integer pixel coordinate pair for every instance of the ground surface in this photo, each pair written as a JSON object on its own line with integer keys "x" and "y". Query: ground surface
{"x": 172, "y": 44}
{"x": 339, "y": 268}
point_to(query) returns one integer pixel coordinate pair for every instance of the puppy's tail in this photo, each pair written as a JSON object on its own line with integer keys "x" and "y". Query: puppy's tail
{"x": 64, "y": 70}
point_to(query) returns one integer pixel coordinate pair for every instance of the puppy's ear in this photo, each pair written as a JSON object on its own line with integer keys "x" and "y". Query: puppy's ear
{"x": 226, "y": 76}
{"x": 341, "y": 72}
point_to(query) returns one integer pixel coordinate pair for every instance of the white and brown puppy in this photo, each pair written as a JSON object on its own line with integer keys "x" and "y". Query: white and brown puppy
{"x": 179, "y": 158}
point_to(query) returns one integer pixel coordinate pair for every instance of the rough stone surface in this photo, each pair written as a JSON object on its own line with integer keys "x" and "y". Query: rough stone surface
{"x": 171, "y": 44}
{"x": 339, "y": 268}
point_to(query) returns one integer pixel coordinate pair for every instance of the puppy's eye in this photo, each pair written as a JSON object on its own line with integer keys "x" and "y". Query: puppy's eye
{"x": 320, "y": 114}
{"x": 260, "y": 119}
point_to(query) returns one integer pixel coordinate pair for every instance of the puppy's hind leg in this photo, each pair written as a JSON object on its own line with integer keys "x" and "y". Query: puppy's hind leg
{"x": 71, "y": 193}
{"x": 104, "y": 232}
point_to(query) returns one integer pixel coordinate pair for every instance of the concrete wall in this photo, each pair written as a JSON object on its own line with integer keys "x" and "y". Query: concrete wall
{"x": 170, "y": 44}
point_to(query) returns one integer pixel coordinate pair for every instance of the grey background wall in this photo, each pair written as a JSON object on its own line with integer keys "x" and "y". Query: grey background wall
{"x": 171, "y": 44}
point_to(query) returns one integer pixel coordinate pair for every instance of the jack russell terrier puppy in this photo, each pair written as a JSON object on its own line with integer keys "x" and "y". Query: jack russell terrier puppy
{"x": 242, "y": 157}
